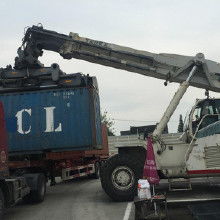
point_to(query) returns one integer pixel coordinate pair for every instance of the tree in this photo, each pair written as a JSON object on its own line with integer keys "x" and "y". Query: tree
{"x": 109, "y": 123}
{"x": 180, "y": 126}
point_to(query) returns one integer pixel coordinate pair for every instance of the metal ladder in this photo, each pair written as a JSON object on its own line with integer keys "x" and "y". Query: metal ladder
{"x": 174, "y": 182}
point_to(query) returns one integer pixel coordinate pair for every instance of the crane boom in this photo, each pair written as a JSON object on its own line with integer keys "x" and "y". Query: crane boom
{"x": 170, "y": 67}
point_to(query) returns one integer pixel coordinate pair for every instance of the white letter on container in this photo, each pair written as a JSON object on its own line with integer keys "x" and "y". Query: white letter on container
{"x": 19, "y": 121}
{"x": 50, "y": 120}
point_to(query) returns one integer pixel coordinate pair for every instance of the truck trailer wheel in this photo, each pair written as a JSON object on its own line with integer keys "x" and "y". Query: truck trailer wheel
{"x": 119, "y": 176}
{"x": 38, "y": 193}
{"x": 2, "y": 204}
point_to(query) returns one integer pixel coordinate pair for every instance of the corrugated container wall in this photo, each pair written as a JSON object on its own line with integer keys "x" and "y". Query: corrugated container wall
{"x": 53, "y": 120}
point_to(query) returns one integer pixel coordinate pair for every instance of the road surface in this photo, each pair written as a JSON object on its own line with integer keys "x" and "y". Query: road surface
{"x": 83, "y": 199}
{"x": 79, "y": 199}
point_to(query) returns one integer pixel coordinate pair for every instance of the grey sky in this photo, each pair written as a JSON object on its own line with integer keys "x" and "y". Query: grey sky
{"x": 170, "y": 26}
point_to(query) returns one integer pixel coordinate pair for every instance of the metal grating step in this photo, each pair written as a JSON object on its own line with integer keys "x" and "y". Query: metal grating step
{"x": 179, "y": 184}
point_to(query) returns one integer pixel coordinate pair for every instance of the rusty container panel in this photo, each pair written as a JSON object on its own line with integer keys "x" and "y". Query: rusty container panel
{"x": 53, "y": 120}
{"x": 104, "y": 152}
{"x": 105, "y": 140}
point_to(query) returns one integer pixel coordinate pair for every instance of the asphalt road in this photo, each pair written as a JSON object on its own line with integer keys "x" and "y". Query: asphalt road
{"x": 83, "y": 199}
{"x": 77, "y": 199}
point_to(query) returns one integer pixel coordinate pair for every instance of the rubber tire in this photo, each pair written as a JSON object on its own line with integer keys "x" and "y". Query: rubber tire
{"x": 121, "y": 160}
{"x": 36, "y": 196}
{"x": 2, "y": 206}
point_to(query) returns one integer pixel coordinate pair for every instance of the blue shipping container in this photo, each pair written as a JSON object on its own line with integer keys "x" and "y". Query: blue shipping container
{"x": 53, "y": 120}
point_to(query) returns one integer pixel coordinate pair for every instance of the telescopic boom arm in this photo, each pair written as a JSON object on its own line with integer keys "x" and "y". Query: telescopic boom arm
{"x": 170, "y": 67}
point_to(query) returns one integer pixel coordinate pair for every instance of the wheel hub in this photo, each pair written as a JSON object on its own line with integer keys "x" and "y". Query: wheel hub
{"x": 122, "y": 178}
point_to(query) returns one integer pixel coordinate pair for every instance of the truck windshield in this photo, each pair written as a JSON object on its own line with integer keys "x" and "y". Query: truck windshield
{"x": 208, "y": 108}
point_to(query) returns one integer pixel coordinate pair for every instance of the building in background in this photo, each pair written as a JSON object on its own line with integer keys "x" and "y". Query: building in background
{"x": 142, "y": 130}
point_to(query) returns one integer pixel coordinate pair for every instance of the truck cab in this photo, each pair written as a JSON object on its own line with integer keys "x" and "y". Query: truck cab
{"x": 204, "y": 113}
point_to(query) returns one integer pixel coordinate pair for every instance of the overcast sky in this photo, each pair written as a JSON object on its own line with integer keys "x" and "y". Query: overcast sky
{"x": 170, "y": 26}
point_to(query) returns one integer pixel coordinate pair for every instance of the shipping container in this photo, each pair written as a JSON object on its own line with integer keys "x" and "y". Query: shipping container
{"x": 54, "y": 130}
{"x": 53, "y": 119}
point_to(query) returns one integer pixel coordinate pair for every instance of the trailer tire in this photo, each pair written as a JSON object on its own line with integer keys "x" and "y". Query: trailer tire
{"x": 2, "y": 204}
{"x": 119, "y": 176}
{"x": 37, "y": 195}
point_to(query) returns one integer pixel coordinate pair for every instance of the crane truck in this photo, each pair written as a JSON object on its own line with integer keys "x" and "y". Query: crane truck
{"x": 194, "y": 153}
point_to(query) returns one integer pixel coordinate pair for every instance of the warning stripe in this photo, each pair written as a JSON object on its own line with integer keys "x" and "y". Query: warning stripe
{"x": 203, "y": 171}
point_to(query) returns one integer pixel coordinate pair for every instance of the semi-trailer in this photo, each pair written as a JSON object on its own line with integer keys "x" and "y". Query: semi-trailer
{"x": 53, "y": 129}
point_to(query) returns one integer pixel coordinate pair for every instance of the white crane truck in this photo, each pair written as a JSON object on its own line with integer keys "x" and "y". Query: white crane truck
{"x": 194, "y": 153}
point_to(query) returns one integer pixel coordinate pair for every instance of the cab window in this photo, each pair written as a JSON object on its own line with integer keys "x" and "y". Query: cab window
{"x": 197, "y": 114}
